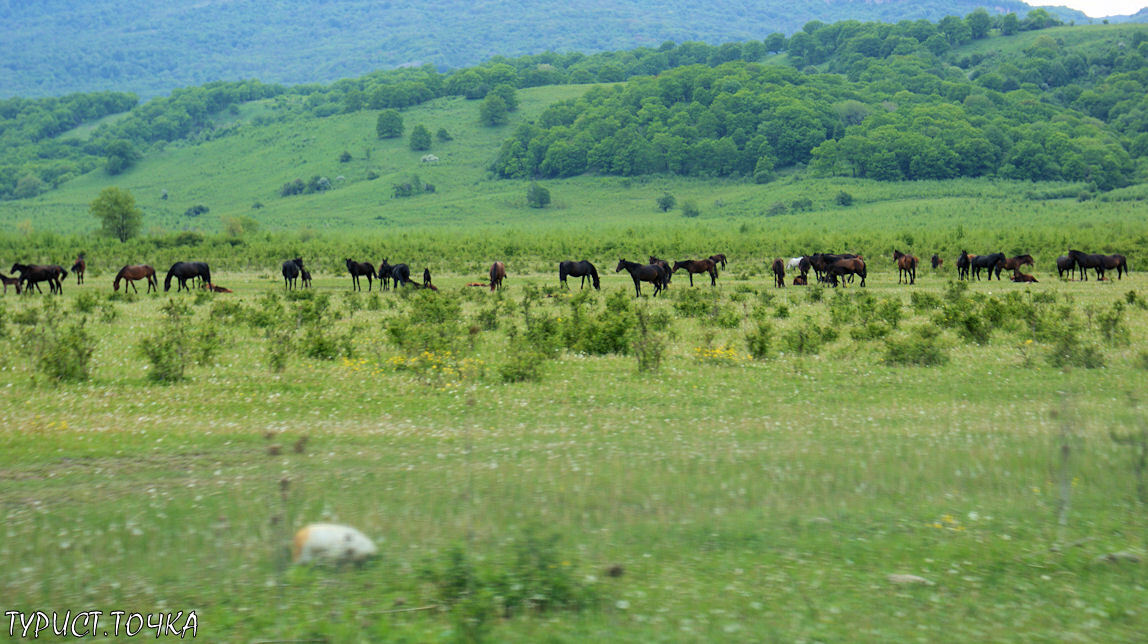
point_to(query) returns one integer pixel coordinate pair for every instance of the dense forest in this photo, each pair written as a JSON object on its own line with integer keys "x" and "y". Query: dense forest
{"x": 55, "y": 47}
{"x": 911, "y": 100}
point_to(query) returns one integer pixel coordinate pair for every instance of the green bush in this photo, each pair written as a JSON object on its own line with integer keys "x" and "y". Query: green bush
{"x": 85, "y": 302}
{"x": 1112, "y": 326}
{"x": 649, "y": 347}
{"x": 1070, "y": 351}
{"x": 807, "y": 337}
{"x": 921, "y": 347}
{"x": 62, "y": 352}
{"x": 759, "y": 341}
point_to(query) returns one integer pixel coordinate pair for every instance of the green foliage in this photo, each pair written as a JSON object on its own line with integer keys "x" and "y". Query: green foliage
{"x": 420, "y": 138}
{"x": 537, "y": 196}
{"x": 807, "y": 337}
{"x": 442, "y": 136}
{"x": 666, "y": 202}
{"x": 61, "y": 350}
{"x": 921, "y": 346}
{"x": 116, "y": 209}
{"x": 609, "y": 331}
{"x": 690, "y": 208}
{"x": 649, "y": 346}
{"x": 844, "y": 199}
{"x": 430, "y": 321}
{"x": 121, "y": 155}
{"x": 169, "y": 350}
{"x": 759, "y": 340}
{"x": 389, "y": 124}
{"x": 493, "y": 111}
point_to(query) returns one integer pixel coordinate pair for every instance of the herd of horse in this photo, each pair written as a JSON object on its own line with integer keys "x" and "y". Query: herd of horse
{"x": 828, "y": 268}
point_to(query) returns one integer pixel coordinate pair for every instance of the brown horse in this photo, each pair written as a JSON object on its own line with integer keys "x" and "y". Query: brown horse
{"x": 906, "y": 266}
{"x": 651, "y": 273}
{"x": 800, "y": 280}
{"x": 32, "y": 274}
{"x": 137, "y": 272}
{"x": 937, "y": 261}
{"x": 1013, "y": 263}
{"x": 719, "y": 259}
{"x": 698, "y": 266}
{"x": 843, "y": 267}
{"x": 10, "y": 281}
{"x": 1018, "y": 276}
{"x": 306, "y": 276}
{"x": 79, "y": 267}
{"x": 665, "y": 266}
{"x": 497, "y": 274}
{"x": 778, "y": 272}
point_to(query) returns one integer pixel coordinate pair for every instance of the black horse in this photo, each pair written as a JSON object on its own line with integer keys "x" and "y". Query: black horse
{"x": 33, "y": 274}
{"x": 78, "y": 268}
{"x": 651, "y": 273}
{"x": 1099, "y": 263}
{"x": 306, "y": 276}
{"x": 581, "y": 269}
{"x": 993, "y": 262}
{"x": 665, "y": 266}
{"x": 385, "y": 275}
{"x": 963, "y": 263}
{"x": 184, "y": 271}
{"x": 1064, "y": 264}
{"x": 359, "y": 269}
{"x": 401, "y": 274}
{"x": 937, "y": 261}
{"x": 291, "y": 270}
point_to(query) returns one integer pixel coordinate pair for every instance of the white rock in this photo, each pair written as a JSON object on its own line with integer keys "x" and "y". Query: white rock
{"x": 331, "y": 542}
{"x": 908, "y": 579}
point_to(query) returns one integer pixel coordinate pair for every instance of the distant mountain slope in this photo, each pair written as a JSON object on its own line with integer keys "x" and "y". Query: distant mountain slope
{"x": 53, "y": 47}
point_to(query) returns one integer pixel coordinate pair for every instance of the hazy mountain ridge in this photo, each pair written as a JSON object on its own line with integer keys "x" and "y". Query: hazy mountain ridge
{"x": 55, "y": 47}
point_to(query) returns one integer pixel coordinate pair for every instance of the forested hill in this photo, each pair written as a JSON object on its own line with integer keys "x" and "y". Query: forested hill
{"x": 55, "y": 47}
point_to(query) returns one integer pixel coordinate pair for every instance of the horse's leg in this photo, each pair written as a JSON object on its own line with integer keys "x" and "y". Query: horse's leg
{"x": 691, "y": 274}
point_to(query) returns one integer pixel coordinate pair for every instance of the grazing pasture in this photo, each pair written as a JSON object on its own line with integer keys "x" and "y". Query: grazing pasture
{"x": 947, "y": 462}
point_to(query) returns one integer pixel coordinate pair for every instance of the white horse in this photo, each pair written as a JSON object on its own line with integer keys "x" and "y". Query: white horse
{"x": 793, "y": 263}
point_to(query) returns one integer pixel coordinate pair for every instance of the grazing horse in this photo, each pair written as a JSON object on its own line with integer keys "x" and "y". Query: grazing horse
{"x": 581, "y": 269}
{"x": 820, "y": 262}
{"x": 794, "y": 263}
{"x": 291, "y": 270}
{"x": 497, "y": 274}
{"x": 665, "y": 266}
{"x": 184, "y": 271}
{"x": 992, "y": 262}
{"x": 719, "y": 258}
{"x": 651, "y": 273}
{"x": 357, "y": 270}
{"x": 778, "y": 273}
{"x": 137, "y": 272}
{"x": 32, "y": 274}
{"x": 937, "y": 261}
{"x": 1018, "y": 276}
{"x": 1100, "y": 263}
{"x": 10, "y": 281}
{"x": 1013, "y": 263}
{"x": 401, "y": 274}
{"x": 1065, "y": 263}
{"x": 698, "y": 266}
{"x": 800, "y": 280}
{"x": 306, "y": 276}
{"x": 79, "y": 267}
{"x": 843, "y": 267}
{"x": 906, "y": 266}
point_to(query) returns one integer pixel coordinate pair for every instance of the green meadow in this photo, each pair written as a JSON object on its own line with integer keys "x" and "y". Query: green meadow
{"x": 719, "y": 495}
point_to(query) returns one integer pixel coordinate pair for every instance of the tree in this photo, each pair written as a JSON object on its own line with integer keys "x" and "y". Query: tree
{"x": 666, "y": 202}
{"x": 420, "y": 138}
{"x": 121, "y": 156}
{"x": 493, "y": 111}
{"x": 1010, "y": 24}
{"x": 390, "y": 124}
{"x": 443, "y": 136}
{"x": 537, "y": 196}
{"x": 979, "y": 23}
{"x": 508, "y": 94}
{"x": 117, "y": 212}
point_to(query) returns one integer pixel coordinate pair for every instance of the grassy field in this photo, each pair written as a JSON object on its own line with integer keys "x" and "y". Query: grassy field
{"x": 740, "y": 499}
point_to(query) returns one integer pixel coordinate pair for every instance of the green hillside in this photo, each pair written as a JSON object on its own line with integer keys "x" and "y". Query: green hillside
{"x": 56, "y": 46}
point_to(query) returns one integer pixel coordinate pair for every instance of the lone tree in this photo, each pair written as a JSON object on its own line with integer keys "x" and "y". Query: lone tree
{"x": 537, "y": 196}
{"x": 666, "y": 202}
{"x": 493, "y": 111}
{"x": 117, "y": 212}
{"x": 121, "y": 156}
{"x": 389, "y": 125}
{"x": 420, "y": 138}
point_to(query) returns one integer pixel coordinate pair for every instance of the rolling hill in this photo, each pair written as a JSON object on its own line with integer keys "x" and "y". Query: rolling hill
{"x": 54, "y": 47}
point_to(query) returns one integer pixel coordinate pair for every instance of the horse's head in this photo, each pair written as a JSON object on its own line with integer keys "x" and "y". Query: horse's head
{"x": 620, "y": 266}
{"x": 678, "y": 265}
